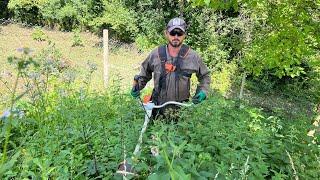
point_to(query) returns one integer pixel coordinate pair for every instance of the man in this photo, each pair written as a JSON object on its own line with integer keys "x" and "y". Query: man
{"x": 172, "y": 66}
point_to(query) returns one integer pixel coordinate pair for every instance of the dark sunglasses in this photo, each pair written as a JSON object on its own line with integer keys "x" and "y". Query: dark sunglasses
{"x": 176, "y": 32}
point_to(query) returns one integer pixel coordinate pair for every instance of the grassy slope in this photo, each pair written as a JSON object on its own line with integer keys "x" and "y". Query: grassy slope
{"x": 121, "y": 62}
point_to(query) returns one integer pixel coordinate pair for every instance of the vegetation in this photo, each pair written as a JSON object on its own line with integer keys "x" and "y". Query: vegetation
{"x": 76, "y": 39}
{"x": 259, "y": 37}
{"x": 39, "y": 35}
{"x": 59, "y": 123}
{"x": 65, "y": 131}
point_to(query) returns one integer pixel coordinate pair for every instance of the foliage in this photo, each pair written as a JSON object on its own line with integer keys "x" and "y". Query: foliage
{"x": 285, "y": 44}
{"x": 216, "y": 5}
{"x": 221, "y": 79}
{"x": 4, "y": 13}
{"x": 281, "y": 47}
{"x": 39, "y": 35}
{"x": 25, "y": 10}
{"x": 68, "y": 131}
{"x": 76, "y": 39}
{"x": 119, "y": 19}
{"x": 229, "y": 143}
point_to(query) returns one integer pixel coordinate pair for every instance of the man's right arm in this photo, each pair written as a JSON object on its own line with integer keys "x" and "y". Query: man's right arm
{"x": 145, "y": 74}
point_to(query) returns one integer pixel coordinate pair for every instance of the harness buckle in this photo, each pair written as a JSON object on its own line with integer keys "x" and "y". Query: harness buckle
{"x": 169, "y": 67}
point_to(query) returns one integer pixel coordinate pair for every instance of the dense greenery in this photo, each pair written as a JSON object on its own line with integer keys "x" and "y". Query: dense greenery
{"x": 56, "y": 127}
{"x": 63, "y": 130}
{"x": 278, "y": 41}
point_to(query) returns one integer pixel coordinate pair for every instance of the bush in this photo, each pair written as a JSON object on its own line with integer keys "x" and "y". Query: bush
{"x": 222, "y": 78}
{"x": 25, "y": 10}
{"x": 76, "y": 39}
{"x": 38, "y": 34}
{"x": 120, "y": 21}
{"x": 216, "y": 140}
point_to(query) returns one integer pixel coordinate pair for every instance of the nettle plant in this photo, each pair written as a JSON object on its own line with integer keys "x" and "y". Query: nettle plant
{"x": 68, "y": 131}
{"x": 34, "y": 143}
{"x": 76, "y": 38}
{"x": 10, "y": 116}
{"x": 215, "y": 140}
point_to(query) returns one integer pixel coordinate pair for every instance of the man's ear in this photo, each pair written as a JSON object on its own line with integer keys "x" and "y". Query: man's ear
{"x": 165, "y": 32}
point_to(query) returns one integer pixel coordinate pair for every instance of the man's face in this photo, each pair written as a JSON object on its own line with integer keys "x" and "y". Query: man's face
{"x": 175, "y": 37}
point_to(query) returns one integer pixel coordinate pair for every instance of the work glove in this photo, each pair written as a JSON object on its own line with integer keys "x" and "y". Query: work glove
{"x": 135, "y": 91}
{"x": 198, "y": 98}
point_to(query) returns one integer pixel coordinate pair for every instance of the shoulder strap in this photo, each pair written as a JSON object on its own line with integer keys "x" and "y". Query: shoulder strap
{"x": 162, "y": 55}
{"x": 184, "y": 51}
{"x": 182, "y": 54}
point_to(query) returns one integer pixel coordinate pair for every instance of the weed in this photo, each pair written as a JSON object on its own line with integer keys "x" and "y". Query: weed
{"x": 76, "y": 39}
{"x": 39, "y": 35}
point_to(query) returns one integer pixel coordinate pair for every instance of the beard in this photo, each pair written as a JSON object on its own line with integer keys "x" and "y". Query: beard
{"x": 175, "y": 43}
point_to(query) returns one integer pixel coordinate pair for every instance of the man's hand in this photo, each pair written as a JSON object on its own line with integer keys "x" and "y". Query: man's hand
{"x": 198, "y": 98}
{"x": 135, "y": 93}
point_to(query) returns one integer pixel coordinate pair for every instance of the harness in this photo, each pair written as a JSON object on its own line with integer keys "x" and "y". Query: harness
{"x": 168, "y": 68}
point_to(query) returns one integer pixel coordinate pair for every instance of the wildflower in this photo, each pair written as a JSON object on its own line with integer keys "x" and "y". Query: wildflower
{"x": 25, "y": 50}
{"x": 311, "y": 133}
{"x": 5, "y": 115}
{"x": 154, "y": 151}
{"x": 15, "y": 113}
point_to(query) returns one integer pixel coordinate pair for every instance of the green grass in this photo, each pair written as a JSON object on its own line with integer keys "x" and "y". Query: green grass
{"x": 124, "y": 63}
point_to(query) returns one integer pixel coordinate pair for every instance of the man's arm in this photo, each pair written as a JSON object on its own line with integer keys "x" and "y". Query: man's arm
{"x": 145, "y": 74}
{"x": 203, "y": 76}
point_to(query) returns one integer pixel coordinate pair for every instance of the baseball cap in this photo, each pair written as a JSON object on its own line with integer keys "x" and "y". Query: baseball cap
{"x": 176, "y": 23}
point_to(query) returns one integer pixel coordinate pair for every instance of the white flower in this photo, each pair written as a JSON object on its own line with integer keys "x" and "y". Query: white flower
{"x": 311, "y": 133}
{"x": 154, "y": 151}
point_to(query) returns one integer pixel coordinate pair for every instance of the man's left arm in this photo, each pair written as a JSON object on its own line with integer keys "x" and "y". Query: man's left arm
{"x": 204, "y": 79}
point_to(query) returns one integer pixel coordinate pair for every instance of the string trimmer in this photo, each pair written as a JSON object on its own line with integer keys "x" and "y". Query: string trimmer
{"x": 124, "y": 167}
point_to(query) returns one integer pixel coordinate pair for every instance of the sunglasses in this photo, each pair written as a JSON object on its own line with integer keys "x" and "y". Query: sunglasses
{"x": 176, "y": 32}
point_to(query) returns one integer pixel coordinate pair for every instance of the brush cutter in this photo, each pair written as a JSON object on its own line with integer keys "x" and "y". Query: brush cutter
{"x": 125, "y": 168}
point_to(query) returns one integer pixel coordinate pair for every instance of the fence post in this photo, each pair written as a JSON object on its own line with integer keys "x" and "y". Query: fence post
{"x": 241, "y": 90}
{"x": 105, "y": 57}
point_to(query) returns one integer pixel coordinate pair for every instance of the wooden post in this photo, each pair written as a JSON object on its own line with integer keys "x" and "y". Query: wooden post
{"x": 242, "y": 86}
{"x": 241, "y": 90}
{"x": 105, "y": 57}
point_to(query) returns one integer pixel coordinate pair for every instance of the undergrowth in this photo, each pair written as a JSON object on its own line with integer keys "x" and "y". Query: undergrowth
{"x": 59, "y": 129}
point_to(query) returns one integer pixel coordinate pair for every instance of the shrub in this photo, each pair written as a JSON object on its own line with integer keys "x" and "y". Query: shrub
{"x": 222, "y": 78}
{"x": 120, "y": 21}
{"x": 25, "y": 10}
{"x": 76, "y": 39}
{"x": 216, "y": 140}
{"x": 38, "y": 34}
